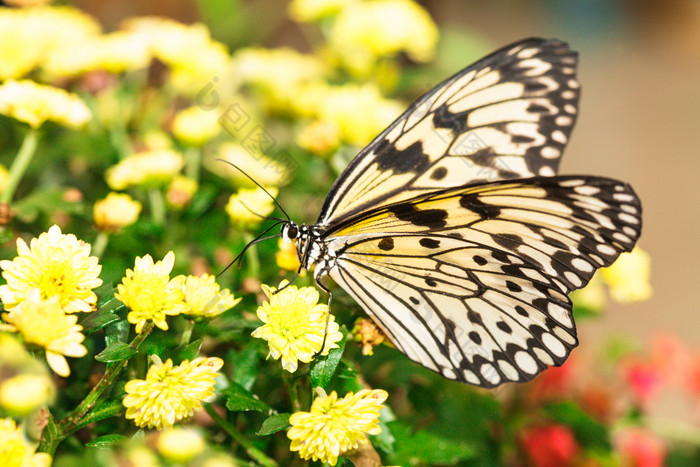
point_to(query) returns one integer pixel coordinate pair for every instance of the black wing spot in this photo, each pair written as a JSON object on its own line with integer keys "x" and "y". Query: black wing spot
{"x": 431, "y": 218}
{"x": 439, "y": 173}
{"x": 475, "y": 337}
{"x": 479, "y": 260}
{"x": 414, "y": 300}
{"x": 430, "y": 282}
{"x": 503, "y": 326}
{"x": 513, "y": 287}
{"x": 411, "y": 159}
{"x": 521, "y": 311}
{"x": 474, "y": 317}
{"x": 474, "y": 204}
{"x": 538, "y": 109}
{"x": 386, "y": 244}
{"x": 429, "y": 243}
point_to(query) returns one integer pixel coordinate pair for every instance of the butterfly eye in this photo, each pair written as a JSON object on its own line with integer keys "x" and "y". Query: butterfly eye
{"x": 290, "y": 233}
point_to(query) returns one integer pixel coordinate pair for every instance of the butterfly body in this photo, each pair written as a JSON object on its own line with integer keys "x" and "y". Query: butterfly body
{"x": 453, "y": 231}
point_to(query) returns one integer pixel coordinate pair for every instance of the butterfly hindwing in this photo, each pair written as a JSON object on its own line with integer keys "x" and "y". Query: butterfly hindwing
{"x": 507, "y": 116}
{"x": 473, "y": 282}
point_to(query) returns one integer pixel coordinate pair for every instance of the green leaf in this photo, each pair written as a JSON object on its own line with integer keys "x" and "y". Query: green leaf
{"x": 238, "y": 399}
{"x": 245, "y": 366}
{"x": 589, "y": 432}
{"x": 190, "y": 351}
{"x": 323, "y": 368}
{"x": 117, "y": 331}
{"x": 431, "y": 449}
{"x": 107, "y": 441}
{"x": 93, "y": 322}
{"x": 274, "y": 424}
{"x": 106, "y": 410}
{"x": 116, "y": 352}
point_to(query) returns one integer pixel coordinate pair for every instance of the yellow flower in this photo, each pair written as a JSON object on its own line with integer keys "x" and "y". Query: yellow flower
{"x": 170, "y": 394}
{"x": 192, "y": 55}
{"x": 278, "y": 74}
{"x": 34, "y": 104}
{"x": 15, "y": 451}
{"x": 367, "y": 332}
{"x": 44, "y": 323}
{"x": 56, "y": 265}
{"x": 287, "y": 257}
{"x": 313, "y": 10}
{"x": 263, "y": 169}
{"x": 180, "y": 191}
{"x": 245, "y": 202}
{"x": 334, "y": 426}
{"x": 628, "y": 277}
{"x": 345, "y": 107}
{"x": 4, "y": 178}
{"x": 149, "y": 292}
{"x": 592, "y": 297}
{"x": 369, "y": 30}
{"x": 148, "y": 168}
{"x": 180, "y": 445}
{"x": 295, "y": 324}
{"x": 319, "y": 137}
{"x": 115, "y": 212}
{"x": 195, "y": 126}
{"x": 204, "y": 297}
{"x": 20, "y": 395}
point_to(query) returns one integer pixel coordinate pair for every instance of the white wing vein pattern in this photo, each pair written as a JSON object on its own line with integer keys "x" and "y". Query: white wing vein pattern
{"x": 473, "y": 282}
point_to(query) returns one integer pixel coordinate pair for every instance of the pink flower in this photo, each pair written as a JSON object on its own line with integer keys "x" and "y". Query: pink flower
{"x": 671, "y": 357}
{"x": 645, "y": 380}
{"x": 550, "y": 446}
{"x": 640, "y": 448}
{"x": 555, "y": 382}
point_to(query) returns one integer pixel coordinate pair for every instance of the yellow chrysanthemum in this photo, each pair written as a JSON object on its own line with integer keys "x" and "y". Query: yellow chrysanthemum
{"x": 370, "y": 30}
{"x": 115, "y": 212}
{"x": 34, "y": 104}
{"x": 628, "y": 277}
{"x": 57, "y": 265}
{"x": 148, "y": 168}
{"x": 279, "y": 74}
{"x": 180, "y": 191}
{"x": 195, "y": 125}
{"x": 334, "y": 426}
{"x": 15, "y": 451}
{"x": 295, "y": 324}
{"x": 44, "y": 323}
{"x": 247, "y": 205}
{"x": 368, "y": 333}
{"x": 180, "y": 445}
{"x": 319, "y": 137}
{"x": 287, "y": 257}
{"x": 264, "y": 170}
{"x": 313, "y": 10}
{"x": 20, "y": 395}
{"x": 170, "y": 393}
{"x": 204, "y": 297}
{"x": 342, "y": 106}
{"x": 149, "y": 292}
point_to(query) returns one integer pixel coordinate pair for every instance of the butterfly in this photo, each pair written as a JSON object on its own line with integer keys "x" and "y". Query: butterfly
{"x": 453, "y": 232}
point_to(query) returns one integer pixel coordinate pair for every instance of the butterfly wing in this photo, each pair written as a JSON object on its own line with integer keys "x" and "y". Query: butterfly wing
{"x": 507, "y": 116}
{"x": 473, "y": 282}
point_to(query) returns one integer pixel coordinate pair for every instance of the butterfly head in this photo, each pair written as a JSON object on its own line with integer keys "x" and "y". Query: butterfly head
{"x": 290, "y": 231}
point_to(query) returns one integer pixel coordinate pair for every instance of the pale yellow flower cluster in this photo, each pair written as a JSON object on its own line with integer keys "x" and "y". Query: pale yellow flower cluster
{"x": 264, "y": 170}
{"x": 334, "y": 426}
{"x": 116, "y": 211}
{"x": 147, "y": 168}
{"x": 195, "y": 126}
{"x": 16, "y": 451}
{"x": 49, "y": 280}
{"x": 247, "y": 205}
{"x": 151, "y": 295}
{"x": 34, "y": 104}
{"x": 295, "y": 325}
{"x": 170, "y": 393}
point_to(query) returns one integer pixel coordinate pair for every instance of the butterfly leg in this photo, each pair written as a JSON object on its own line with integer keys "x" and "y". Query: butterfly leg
{"x": 328, "y": 316}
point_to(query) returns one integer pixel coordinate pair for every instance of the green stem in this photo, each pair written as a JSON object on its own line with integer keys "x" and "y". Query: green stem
{"x": 252, "y": 258}
{"x": 100, "y": 243}
{"x": 252, "y": 451}
{"x": 291, "y": 386}
{"x": 20, "y": 164}
{"x": 187, "y": 333}
{"x": 193, "y": 158}
{"x": 68, "y": 425}
{"x": 155, "y": 197}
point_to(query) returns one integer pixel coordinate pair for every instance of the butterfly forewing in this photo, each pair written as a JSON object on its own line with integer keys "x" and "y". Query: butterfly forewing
{"x": 507, "y": 116}
{"x": 473, "y": 282}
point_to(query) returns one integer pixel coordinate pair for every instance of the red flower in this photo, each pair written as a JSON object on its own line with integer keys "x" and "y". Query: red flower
{"x": 550, "y": 446}
{"x": 555, "y": 382}
{"x": 640, "y": 448}
{"x": 644, "y": 379}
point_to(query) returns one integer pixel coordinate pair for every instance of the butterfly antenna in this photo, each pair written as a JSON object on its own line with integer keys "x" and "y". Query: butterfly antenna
{"x": 259, "y": 186}
{"x": 257, "y": 239}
